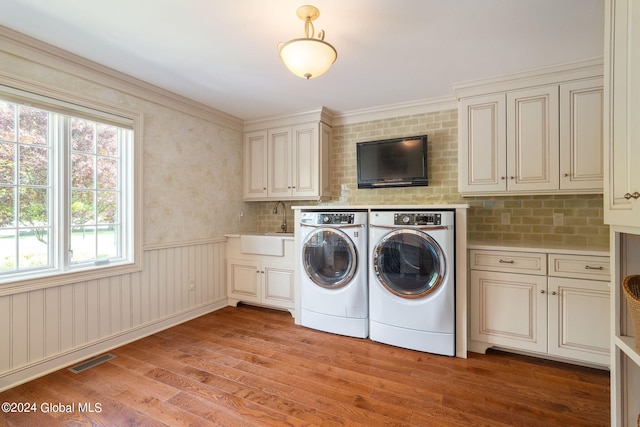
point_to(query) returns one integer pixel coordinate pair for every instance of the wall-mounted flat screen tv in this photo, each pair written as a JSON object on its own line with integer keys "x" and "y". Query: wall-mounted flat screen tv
{"x": 400, "y": 162}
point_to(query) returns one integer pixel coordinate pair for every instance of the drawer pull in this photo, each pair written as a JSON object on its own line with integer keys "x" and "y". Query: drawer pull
{"x": 503, "y": 261}
{"x": 588, "y": 267}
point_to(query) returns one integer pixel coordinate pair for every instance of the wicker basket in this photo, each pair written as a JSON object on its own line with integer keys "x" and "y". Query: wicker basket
{"x": 631, "y": 286}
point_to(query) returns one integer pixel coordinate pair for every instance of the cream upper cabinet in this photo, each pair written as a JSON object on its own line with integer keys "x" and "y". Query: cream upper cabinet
{"x": 483, "y": 144}
{"x": 581, "y": 133}
{"x": 287, "y": 162}
{"x": 279, "y": 154}
{"x": 255, "y": 165}
{"x": 622, "y": 53}
{"x": 622, "y": 194}
{"x": 294, "y": 160}
{"x": 306, "y": 160}
{"x": 532, "y": 138}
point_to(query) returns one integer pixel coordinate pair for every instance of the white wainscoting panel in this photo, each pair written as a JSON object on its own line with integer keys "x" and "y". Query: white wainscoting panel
{"x": 46, "y": 329}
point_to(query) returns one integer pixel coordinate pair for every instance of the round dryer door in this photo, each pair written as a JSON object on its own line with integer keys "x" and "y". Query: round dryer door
{"x": 329, "y": 258}
{"x": 409, "y": 263}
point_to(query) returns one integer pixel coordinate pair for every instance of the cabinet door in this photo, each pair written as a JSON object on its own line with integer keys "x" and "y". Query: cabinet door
{"x": 279, "y": 153}
{"x": 278, "y": 285}
{"x": 254, "y": 170}
{"x": 482, "y": 144}
{"x": 579, "y": 319}
{"x": 326, "y": 138}
{"x": 243, "y": 280}
{"x": 533, "y": 139}
{"x": 509, "y": 310}
{"x": 622, "y": 174}
{"x": 306, "y": 160}
{"x": 581, "y": 149}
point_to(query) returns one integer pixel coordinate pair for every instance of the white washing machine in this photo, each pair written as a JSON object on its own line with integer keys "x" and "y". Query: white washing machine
{"x": 412, "y": 280}
{"x": 334, "y": 288}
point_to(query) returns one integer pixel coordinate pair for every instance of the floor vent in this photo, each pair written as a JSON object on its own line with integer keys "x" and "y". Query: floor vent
{"x": 91, "y": 363}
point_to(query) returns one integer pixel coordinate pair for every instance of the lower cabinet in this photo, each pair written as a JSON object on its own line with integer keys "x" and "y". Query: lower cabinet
{"x": 579, "y": 319}
{"x": 260, "y": 279}
{"x": 509, "y": 310}
{"x": 554, "y": 304}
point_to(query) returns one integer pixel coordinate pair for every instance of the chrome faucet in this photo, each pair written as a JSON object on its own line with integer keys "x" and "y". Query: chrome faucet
{"x": 283, "y": 226}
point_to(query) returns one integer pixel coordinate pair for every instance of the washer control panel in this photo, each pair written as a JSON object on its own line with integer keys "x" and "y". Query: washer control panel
{"x": 417, "y": 218}
{"x": 335, "y": 218}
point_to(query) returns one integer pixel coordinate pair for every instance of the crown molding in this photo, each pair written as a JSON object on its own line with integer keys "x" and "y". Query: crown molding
{"x": 588, "y": 68}
{"x": 39, "y": 52}
{"x": 390, "y": 111}
{"x": 321, "y": 114}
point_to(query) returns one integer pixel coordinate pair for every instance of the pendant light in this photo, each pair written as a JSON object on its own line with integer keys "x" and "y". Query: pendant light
{"x": 308, "y": 57}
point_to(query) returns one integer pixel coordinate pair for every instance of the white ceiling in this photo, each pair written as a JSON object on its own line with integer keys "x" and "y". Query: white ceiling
{"x": 223, "y": 53}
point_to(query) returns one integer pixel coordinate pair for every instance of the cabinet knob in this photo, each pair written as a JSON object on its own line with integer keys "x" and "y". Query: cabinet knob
{"x": 554, "y": 293}
{"x": 503, "y": 178}
{"x": 635, "y": 195}
{"x": 542, "y": 291}
{"x": 512, "y": 177}
{"x": 566, "y": 175}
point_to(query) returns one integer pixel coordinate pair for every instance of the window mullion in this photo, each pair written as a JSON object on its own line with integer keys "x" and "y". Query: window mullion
{"x": 63, "y": 196}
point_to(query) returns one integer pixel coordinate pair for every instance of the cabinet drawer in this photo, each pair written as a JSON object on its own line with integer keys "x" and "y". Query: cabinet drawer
{"x": 512, "y": 262}
{"x": 579, "y": 266}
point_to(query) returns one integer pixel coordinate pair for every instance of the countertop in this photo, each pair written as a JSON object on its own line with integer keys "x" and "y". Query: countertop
{"x": 285, "y": 236}
{"x": 441, "y": 206}
{"x": 546, "y": 247}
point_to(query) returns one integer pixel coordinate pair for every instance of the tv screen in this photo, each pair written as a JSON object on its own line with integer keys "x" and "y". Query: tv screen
{"x": 400, "y": 162}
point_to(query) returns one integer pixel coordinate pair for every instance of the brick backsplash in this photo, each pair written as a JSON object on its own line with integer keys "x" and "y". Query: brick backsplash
{"x": 530, "y": 218}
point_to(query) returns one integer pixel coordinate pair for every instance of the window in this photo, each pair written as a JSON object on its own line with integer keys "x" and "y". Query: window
{"x": 66, "y": 187}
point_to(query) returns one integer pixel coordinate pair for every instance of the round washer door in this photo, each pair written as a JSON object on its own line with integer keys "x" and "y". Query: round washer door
{"x": 329, "y": 258}
{"x": 409, "y": 263}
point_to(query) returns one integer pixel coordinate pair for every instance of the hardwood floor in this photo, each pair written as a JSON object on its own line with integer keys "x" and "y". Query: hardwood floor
{"x": 251, "y": 366}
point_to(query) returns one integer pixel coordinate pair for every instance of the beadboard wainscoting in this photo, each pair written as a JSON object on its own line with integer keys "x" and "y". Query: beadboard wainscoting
{"x": 46, "y": 329}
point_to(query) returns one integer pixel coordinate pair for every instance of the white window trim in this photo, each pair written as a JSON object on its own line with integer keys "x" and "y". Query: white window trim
{"x": 134, "y": 119}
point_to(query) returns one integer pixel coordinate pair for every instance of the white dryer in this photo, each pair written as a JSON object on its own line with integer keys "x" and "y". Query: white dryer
{"x": 412, "y": 280}
{"x": 333, "y": 288}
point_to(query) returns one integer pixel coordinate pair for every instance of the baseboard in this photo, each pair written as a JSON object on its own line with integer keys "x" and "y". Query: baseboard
{"x": 30, "y": 372}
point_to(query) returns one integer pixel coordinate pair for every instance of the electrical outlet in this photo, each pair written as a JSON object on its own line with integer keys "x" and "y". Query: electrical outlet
{"x": 505, "y": 218}
{"x": 192, "y": 285}
{"x": 558, "y": 219}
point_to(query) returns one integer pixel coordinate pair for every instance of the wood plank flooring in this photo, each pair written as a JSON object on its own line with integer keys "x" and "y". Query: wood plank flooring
{"x": 251, "y": 366}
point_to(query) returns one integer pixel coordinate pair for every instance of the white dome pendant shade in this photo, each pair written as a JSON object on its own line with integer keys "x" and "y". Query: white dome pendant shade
{"x": 308, "y": 57}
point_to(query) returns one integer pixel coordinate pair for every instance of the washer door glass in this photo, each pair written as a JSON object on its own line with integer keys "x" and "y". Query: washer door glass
{"x": 409, "y": 263}
{"x": 329, "y": 258}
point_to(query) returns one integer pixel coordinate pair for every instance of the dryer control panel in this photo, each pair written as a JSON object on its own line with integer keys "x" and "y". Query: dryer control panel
{"x": 417, "y": 218}
{"x": 335, "y": 218}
